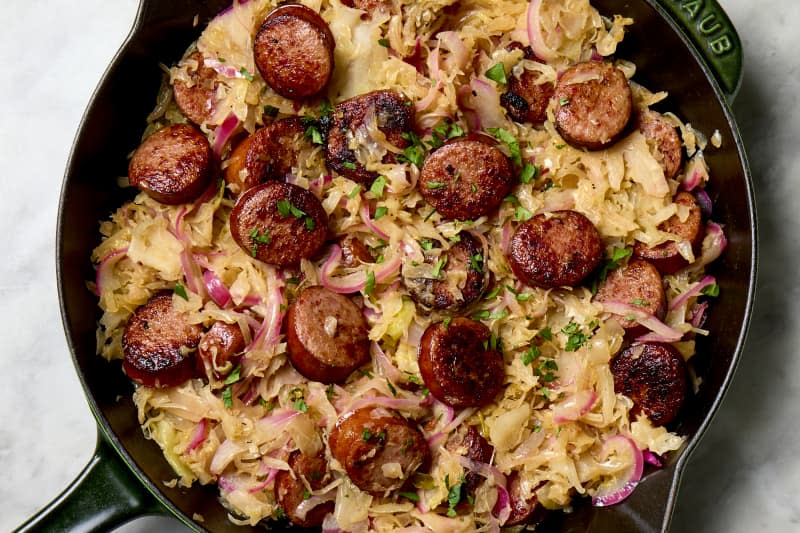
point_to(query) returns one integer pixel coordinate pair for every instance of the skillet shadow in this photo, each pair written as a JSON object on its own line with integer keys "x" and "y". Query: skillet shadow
{"x": 726, "y": 452}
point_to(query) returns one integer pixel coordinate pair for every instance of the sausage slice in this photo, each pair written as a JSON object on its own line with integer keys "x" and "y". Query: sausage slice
{"x": 311, "y": 472}
{"x": 555, "y": 250}
{"x": 279, "y": 223}
{"x": 293, "y": 50}
{"x": 393, "y": 116}
{"x": 523, "y": 511}
{"x": 267, "y": 154}
{"x": 378, "y": 448}
{"x": 466, "y": 178}
{"x": 457, "y": 367}
{"x": 664, "y": 136}
{"x": 173, "y": 165}
{"x": 666, "y": 256}
{"x": 467, "y": 441}
{"x": 463, "y": 276}
{"x": 526, "y": 99}
{"x": 637, "y": 283}
{"x": 218, "y": 349}
{"x": 593, "y": 104}
{"x": 198, "y": 101}
{"x": 653, "y": 375}
{"x": 326, "y": 335}
{"x": 159, "y": 343}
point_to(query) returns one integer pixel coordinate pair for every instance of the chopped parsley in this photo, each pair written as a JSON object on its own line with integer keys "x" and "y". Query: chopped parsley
{"x": 546, "y": 334}
{"x": 563, "y": 101}
{"x": 297, "y": 397}
{"x": 617, "y": 256}
{"x": 436, "y": 185}
{"x": 521, "y": 214}
{"x": 497, "y": 73}
{"x": 453, "y": 494}
{"x": 505, "y": 137}
{"x": 426, "y": 244}
{"x": 391, "y": 387}
{"x": 529, "y": 356}
{"x": 180, "y": 290}
{"x": 330, "y": 392}
{"x": 312, "y": 131}
{"x": 529, "y": 173}
{"x": 380, "y": 212}
{"x": 444, "y": 132}
{"x": 446, "y": 321}
{"x": 234, "y": 376}
{"x": 369, "y": 286}
{"x": 349, "y": 165}
{"x": 259, "y": 239}
{"x": 366, "y": 434}
{"x": 711, "y": 290}
{"x": 227, "y": 397}
{"x": 352, "y": 194}
{"x": 429, "y": 215}
{"x": 244, "y": 72}
{"x": 437, "y": 268}
{"x": 384, "y": 42}
{"x": 412, "y": 496}
{"x": 575, "y": 336}
{"x": 286, "y": 209}
{"x": 493, "y": 293}
{"x": 476, "y": 263}
{"x": 513, "y": 200}
{"x": 415, "y": 153}
{"x": 270, "y": 111}
{"x": 377, "y": 186}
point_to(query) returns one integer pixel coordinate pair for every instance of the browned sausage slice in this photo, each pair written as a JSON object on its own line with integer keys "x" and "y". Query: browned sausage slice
{"x": 466, "y": 178}
{"x": 555, "y": 250}
{"x": 463, "y": 276}
{"x": 526, "y": 99}
{"x": 660, "y": 131}
{"x": 354, "y": 252}
{"x": 653, "y": 375}
{"x": 457, "y": 367}
{"x": 173, "y": 165}
{"x": 666, "y": 256}
{"x": 523, "y": 511}
{"x": 279, "y": 223}
{"x": 593, "y": 104}
{"x": 393, "y": 115}
{"x": 293, "y": 50}
{"x": 310, "y": 471}
{"x": 198, "y": 101}
{"x": 267, "y": 154}
{"x": 637, "y": 283}
{"x": 218, "y": 349}
{"x": 158, "y": 343}
{"x": 467, "y": 441}
{"x": 326, "y": 335}
{"x": 366, "y": 440}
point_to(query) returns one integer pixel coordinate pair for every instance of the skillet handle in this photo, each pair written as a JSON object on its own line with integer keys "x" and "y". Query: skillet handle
{"x": 711, "y": 32}
{"x": 106, "y": 494}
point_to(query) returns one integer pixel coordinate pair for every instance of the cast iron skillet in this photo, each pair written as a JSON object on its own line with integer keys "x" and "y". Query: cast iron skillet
{"x": 692, "y": 52}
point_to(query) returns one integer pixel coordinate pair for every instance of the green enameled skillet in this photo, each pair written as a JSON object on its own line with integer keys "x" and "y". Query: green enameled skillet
{"x": 686, "y": 47}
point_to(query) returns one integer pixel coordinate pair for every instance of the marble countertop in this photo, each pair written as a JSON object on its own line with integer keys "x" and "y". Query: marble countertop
{"x": 745, "y": 475}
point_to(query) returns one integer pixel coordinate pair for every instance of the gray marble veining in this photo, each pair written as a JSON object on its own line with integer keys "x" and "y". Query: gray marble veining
{"x": 745, "y": 475}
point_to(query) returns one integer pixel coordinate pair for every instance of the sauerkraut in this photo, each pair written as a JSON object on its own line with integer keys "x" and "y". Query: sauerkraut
{"x": 556, "y": 420}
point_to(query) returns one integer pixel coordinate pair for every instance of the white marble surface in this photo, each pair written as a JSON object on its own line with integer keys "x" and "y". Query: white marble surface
{"x": 744, "y": 477}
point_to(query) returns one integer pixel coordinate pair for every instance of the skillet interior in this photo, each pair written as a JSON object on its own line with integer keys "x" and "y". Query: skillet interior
{"x": 112, "y": 127}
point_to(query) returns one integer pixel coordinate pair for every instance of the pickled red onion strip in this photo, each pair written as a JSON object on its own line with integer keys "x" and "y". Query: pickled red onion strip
{"x": 694, "y": 291}
{"x": 644, "y": 318}
{"x": 216, "y": 289}
{"x": 622, "y": 488}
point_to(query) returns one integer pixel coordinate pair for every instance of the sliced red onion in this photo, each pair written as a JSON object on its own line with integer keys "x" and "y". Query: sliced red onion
{"x": 229, "y": 9}
{"x": 225, "y": 69}
{"x": 356, "y": 281}
{"x": 190, "y": 269}
{"x": 318, "y": 184}
{"x": 261, "y": 486}
{"x": 415, "y": 59}
{"x": 624, "y": 487}
{"x": 224, "y": 455}
{"x": 330, "y": 525}
{"x": 385, "y": 401}
{"x": 692, "y": 180}
{"x": 502, "y": 507}
{"x": 433, "y": 65}
{"x": 505, "y": 237}
{"x": 223, "y": 133}
{"x": 652, "y": 459}
{"x": 306, "y": 505}
{"x": 458, "y": 52}
{"x": 574, "y": 407}
{"x": 596, "y": 55}
{"x": 199, "y": 436}
{"x": 365, "y": 216}
{"x": 485, "y": 101}
{"x": 276, "y": 421}
{"x": 414, "y": 334}
{"x": 644, "y": 318}
{"x": 484, "y": 470}
{"x": 429, "y": 98}
{"x": 463, "y": 94}
{"x": 105, "y": 266}
{"x": 714, "y": 243}
{"x": 704, "y": 201}
{"x": 387, "y": 369}
{"x": 216, "y": 289}
{"x": 226, "y": 484}
{"x": 695, "y": 290}
{"x": 269, "y": 331}
{"x": 535, "y": 36}
{"x": 699, "y": 314}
